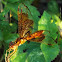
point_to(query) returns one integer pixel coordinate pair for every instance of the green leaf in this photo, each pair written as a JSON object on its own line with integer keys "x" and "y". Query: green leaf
{"x": 34, "y": 12}
{"x": 56, "y": 19}
{"x": 32, "y": 46}
{"x": 50, "y": 52}
{"x": 45, "y": 24}
{"x": 10, "y": 37}
{"x": 13, "y": 7}
{"x": 44, "y": 21}
{"x": 35, "y": 56}
{"x": 29, "y": 47}
{"x": 20, "y": 57}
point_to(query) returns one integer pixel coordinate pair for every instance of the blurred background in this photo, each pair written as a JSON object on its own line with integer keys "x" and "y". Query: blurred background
{"x": 43, "y": 5}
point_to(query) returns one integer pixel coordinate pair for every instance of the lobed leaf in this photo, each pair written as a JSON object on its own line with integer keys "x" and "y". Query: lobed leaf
{"x": 50, "y": 51}
{"x": 45, "y": 24}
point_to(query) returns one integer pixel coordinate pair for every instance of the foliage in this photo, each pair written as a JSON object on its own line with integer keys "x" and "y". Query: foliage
{"x": 46, "y": 51}
{"x": 53, "y": 10}
{"x": 49, "y": 48}
{"x": 6, "y": 32}
{"x": 53, "y": 7}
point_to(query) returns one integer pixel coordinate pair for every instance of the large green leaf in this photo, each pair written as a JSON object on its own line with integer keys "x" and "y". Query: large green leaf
{"x": 48, "y": 47}
{"x": 34, "y": 12}
{"x": 35, "y": 56}
{"x": 28, "y": 47}
{"x": 45, "y": 24}
{"x": 20, "y": 57}
{"x": 33, "y": 52}
{"x": 44, "y": 21}
{"x": 33, "y": 46}
{"x": 50, "y": 51}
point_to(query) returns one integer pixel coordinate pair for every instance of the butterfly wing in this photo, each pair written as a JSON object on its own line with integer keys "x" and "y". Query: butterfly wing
{"x": 38, "y": 39}
{"x": 24, "y": 24}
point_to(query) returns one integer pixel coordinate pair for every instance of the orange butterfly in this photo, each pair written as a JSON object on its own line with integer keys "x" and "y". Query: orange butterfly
{"x": 23, "y": 29}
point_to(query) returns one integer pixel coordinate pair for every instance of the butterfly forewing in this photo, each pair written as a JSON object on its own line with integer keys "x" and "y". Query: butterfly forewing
{"x": 24, "y": 24}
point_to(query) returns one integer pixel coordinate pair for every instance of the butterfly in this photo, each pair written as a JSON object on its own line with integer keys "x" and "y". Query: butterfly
{"x": 24, "y": 25}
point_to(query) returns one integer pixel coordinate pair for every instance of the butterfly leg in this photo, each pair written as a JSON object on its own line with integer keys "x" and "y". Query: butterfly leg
{"x": 10, "y": 53}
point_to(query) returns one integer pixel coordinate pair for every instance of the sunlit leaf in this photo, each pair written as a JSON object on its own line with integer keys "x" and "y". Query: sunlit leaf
{"x": 20, "y": 57}
{"x": 45, "y": 24}
{"x": 50, "y": 51}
